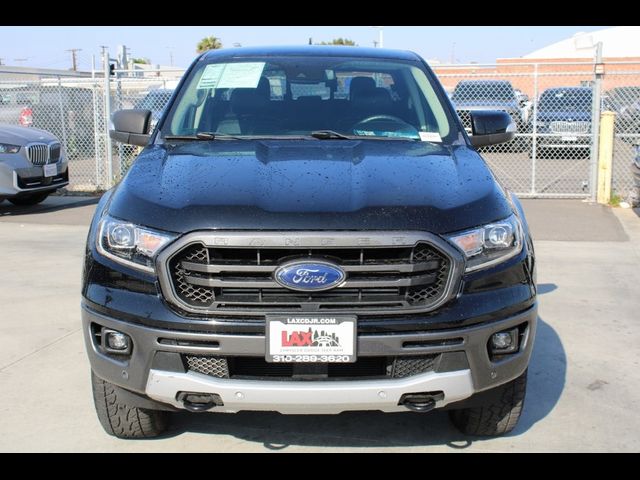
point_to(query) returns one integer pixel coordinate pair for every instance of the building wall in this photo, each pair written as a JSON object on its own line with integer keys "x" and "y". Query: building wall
{"x": 561, "y": 72}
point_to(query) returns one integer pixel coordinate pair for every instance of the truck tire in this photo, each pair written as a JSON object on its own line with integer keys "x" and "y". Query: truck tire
{"x": 29, "y": 199}
{"x": 122, "y": 420}
{"x": 495, "y": 418}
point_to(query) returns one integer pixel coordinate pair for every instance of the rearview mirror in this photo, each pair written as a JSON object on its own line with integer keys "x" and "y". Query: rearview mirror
{"x": 490, "y": 127}
{"x": 131, "y": 127}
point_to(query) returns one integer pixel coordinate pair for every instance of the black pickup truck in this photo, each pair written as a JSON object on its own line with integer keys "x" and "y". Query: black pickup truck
{"x": 309, "y": 230}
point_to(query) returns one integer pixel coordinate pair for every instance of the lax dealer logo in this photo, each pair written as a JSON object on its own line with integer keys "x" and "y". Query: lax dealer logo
{"x": 310, "y": 338}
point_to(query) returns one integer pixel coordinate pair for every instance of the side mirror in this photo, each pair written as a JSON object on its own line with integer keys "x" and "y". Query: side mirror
{"x": 491, "y": 127}
{"x": 131, "y": 127}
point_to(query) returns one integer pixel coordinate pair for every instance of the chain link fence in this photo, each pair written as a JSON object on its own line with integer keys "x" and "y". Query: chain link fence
{"x": 555, "y": 106}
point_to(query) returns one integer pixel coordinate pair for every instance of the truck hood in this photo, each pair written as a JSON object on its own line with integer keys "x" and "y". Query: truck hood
{"x": 309, "y": 185}
{"x": 16, "y": 135}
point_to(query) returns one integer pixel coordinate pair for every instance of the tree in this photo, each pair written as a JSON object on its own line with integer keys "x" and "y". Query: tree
{"x": 340, "y": 41}
{"x": 208, "y": 43}
{"x": 144, "y": 61}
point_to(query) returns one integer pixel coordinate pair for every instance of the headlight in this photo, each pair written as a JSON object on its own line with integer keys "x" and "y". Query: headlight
{"x": 490, "y": 244}
{"x": 130, "y": 244}
{"x": 7, "y": 148}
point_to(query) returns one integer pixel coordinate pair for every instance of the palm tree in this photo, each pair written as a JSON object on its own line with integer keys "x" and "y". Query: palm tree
{"x": 208, "y": 43}
{"x": 340, "y": 41}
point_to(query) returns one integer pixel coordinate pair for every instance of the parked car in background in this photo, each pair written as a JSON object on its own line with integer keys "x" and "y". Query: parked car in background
{"x": 16, "y": 106}
{"x": 625, "y": 102}
{"x": 155, "y": 101}
{"x": 473, "y": 95}
{"x": 563, "y": 122}
{"x": 65, "y": 111}
{"x": 470, "y": 95}
{"x": 32, "y": 164}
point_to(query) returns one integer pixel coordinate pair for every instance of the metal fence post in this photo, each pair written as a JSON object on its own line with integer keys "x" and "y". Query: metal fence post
{"x": 107, "y": 114}
{"x": 62, "y": 117}
{"x": 118, "y": 106}
{"x": 595, "y": 122}
{"x": 534, "y": 130}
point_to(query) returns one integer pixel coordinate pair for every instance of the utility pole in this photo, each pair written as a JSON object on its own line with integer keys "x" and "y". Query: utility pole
{"x": 74, "y": 65}
{"x": 104, "y": 56}
{"x": 380, "y": 39}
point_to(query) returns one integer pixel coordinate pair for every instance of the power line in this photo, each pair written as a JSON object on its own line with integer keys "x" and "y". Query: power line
{"x": 74, "y": 65}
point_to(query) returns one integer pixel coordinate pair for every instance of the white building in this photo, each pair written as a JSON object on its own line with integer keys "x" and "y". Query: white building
{"x": 617, "y": 42}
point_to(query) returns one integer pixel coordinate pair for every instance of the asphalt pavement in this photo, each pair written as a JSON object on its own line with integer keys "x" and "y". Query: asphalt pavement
{"x": 583, "y": 392}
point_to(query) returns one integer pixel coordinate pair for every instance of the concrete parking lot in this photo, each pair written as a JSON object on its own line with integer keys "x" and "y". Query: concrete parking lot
{"x": 583, "y": 392}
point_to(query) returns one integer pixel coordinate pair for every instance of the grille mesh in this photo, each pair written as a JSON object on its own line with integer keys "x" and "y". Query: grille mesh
{"x": 417, "y": 295}
{"x": 213, "y": 366}
{"x": 409, "y": 366}
{"x": 396, "y": 367}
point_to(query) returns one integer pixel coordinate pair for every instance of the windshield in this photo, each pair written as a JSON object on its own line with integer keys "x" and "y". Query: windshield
{"x": 475, "y": 91}
{"x": 297, "y": 96}
{"x": 569, "y": 99}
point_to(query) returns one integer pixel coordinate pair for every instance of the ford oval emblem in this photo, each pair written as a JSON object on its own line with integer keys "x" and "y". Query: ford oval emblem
{"x": 309, "y": 275}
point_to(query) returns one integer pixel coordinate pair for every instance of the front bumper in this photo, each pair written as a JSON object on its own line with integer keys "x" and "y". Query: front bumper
{"x": 20, "y": 177}
{"x": 148, "y": 373}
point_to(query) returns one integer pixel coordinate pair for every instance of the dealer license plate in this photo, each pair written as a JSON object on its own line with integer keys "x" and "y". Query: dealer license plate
{"x": 311, "y": 339}
{"x": 569, "y": 138}
{"x": 50, "y": 170}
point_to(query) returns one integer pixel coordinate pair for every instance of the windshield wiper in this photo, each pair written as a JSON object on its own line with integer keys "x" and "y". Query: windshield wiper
{"x": 203, "y": 136}
{"x": 328, "y": 134}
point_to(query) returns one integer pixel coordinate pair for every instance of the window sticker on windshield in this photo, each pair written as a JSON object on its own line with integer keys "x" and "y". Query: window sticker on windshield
{"x": 231, "y": 75}
{"x": 241, "y": 75}
{"x": 211, "y": 76}
{"x": 430, "y": 136}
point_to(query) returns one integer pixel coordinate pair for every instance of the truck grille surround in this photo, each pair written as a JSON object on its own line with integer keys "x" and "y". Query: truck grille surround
{"x": 233, "y": 274}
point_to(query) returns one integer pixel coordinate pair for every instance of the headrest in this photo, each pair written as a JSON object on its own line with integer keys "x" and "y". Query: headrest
{"x": 361, "y": 85}
{"x": 378, "y": 99}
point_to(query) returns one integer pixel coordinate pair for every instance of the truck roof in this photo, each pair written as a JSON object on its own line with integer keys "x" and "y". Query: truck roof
{"x": 311, "y": 50}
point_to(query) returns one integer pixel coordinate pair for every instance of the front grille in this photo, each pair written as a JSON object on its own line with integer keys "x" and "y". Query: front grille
{"x": 569, "y": 127}
{"x": 258, "y": 368}
{"x": 38, "y": 153}
{"x": 54, "y": 152}
{"x": 228, "y": 279}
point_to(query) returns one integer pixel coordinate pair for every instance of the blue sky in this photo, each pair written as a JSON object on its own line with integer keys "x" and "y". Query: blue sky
{"x": 46, "y": 46}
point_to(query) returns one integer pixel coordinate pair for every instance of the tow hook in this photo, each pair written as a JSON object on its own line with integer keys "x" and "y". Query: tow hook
{"x": 421, "y": 402}
{"x": 198, "y": 402}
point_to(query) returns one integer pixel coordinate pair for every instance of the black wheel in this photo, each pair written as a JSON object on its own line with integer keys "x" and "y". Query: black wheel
{"x": 122, "y": 420}
{"x": 30, "y": 199}
{"x": 495, "y": 418}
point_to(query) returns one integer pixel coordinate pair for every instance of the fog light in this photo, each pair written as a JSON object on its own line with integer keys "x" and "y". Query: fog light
{"x": 115, "y": 342}
{"x": 505, "y": 342}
